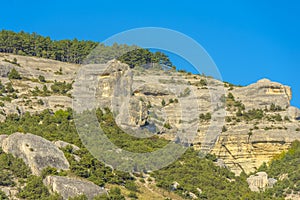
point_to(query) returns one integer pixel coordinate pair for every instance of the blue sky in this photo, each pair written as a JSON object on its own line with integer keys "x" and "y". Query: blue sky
{"x": 248, "y": 40}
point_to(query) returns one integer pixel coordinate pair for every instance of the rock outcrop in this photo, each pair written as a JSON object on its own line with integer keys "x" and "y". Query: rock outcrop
{"x": 244, "y": 152}
{"x": 260, "y": 181}
{"x": 264, "y": 93}
{"x": 37, "y": 152}
{"x": 70, "y": 187}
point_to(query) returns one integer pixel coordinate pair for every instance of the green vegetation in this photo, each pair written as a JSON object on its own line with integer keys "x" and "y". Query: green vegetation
{"x": 275, "y": 108}
{"x": 230, "y": 96}
{"x": 139, "y": 57}
{"x": 14, "y": 61}
{"x": 75, "y": 51}
{"x": 232, "y": 104}
{"x": 61, "y": 87}
{"x": 194, "y": 173}
{"x": 13, "y": 167}
{"x": 167, "y": 125}
{"x": 7, "y": 92}
{"x": 34, "y": 189}
{"x": 125, "y": 141}
{"x": 286, "y": 163}
{"x": 42, "y": 79}
{"x": 190, "y": 171}
{"x": 114, "y": 194}
{"x": 40, "y": 102}
{"x": 60, "y": 126}
{"x": 14, "y": 74}
{"x": 22, "y": 43}
{"x": 277, "y": 117}
{"x": 3, "y": 196}
{"x": 59, "y": 72}
{"x": 163, "y": 102}
{"x": 205, "y": 117}
{"x": 186, "y": 92}
{"x": 224, "y": 129}
{"x": 253, "y": 114}
{"x": 203, "y": 82}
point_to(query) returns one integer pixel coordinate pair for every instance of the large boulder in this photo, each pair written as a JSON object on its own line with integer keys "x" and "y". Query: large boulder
{"x": 260, "y": 181}
{"x": 37, "y": 152}
{"x": 71, "y": 187}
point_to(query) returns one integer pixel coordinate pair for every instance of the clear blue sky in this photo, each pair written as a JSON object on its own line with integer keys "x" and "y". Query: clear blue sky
{"x": 248, "y": 40}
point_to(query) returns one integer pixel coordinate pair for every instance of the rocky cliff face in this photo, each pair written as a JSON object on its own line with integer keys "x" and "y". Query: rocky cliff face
{"x": 30, "y": 89}
{"x": 248, "y": 140}
{"x": 177, "y": 106}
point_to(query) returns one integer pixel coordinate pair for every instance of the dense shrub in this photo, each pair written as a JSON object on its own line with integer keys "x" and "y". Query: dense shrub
{"x": 61, "y": 87}
{"x": 42, "y": 79}
{"x": 34, "y": 189}
{"x": 205, "y": 117}
{"x": 193, "y": 172}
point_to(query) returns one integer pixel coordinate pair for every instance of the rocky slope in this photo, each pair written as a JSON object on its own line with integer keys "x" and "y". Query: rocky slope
{"x": 244, "y": 146}
{"x": 242, "y": 126}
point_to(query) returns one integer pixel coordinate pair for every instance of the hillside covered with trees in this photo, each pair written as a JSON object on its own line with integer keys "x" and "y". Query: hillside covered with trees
{"x": 75, "y": 51}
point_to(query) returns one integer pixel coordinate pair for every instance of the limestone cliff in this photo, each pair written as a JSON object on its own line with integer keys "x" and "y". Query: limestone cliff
{"x": 175, "y": 105}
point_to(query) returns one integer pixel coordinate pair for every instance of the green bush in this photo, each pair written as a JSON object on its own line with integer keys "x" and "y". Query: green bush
{"x": 275, "y": 108}
{"x": 224, "y": 129}
{"x": 14, "y": 74}
{"x": 205, "y": 117}
{"x": 203, "y": 82}
{"x": 115, "y": 193}
{"x": 163, "y": 102}
{"x": 130, "y": 185}
{"x": 40, "y": 102}
{"x": 230, "y": 96}
{"x": 5, "y": 179}
{"x": 3, "y": 196}
{"x": 167, "y": 125}
{"x": 42, "y": 79}
{"x": 16, "y": 166}
{"x": 253, "y": 114}
{"x": 192, "y": 172}
{"x": 80, "y": 197}
{"x": 34, "y": 189}
{"x": 133, "y": 195}
{"x": 61, "y": 87}
{"x": 9, "y": 88}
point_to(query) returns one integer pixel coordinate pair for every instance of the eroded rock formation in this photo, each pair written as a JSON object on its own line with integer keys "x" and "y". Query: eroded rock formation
{"x": 37, "y": 152}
